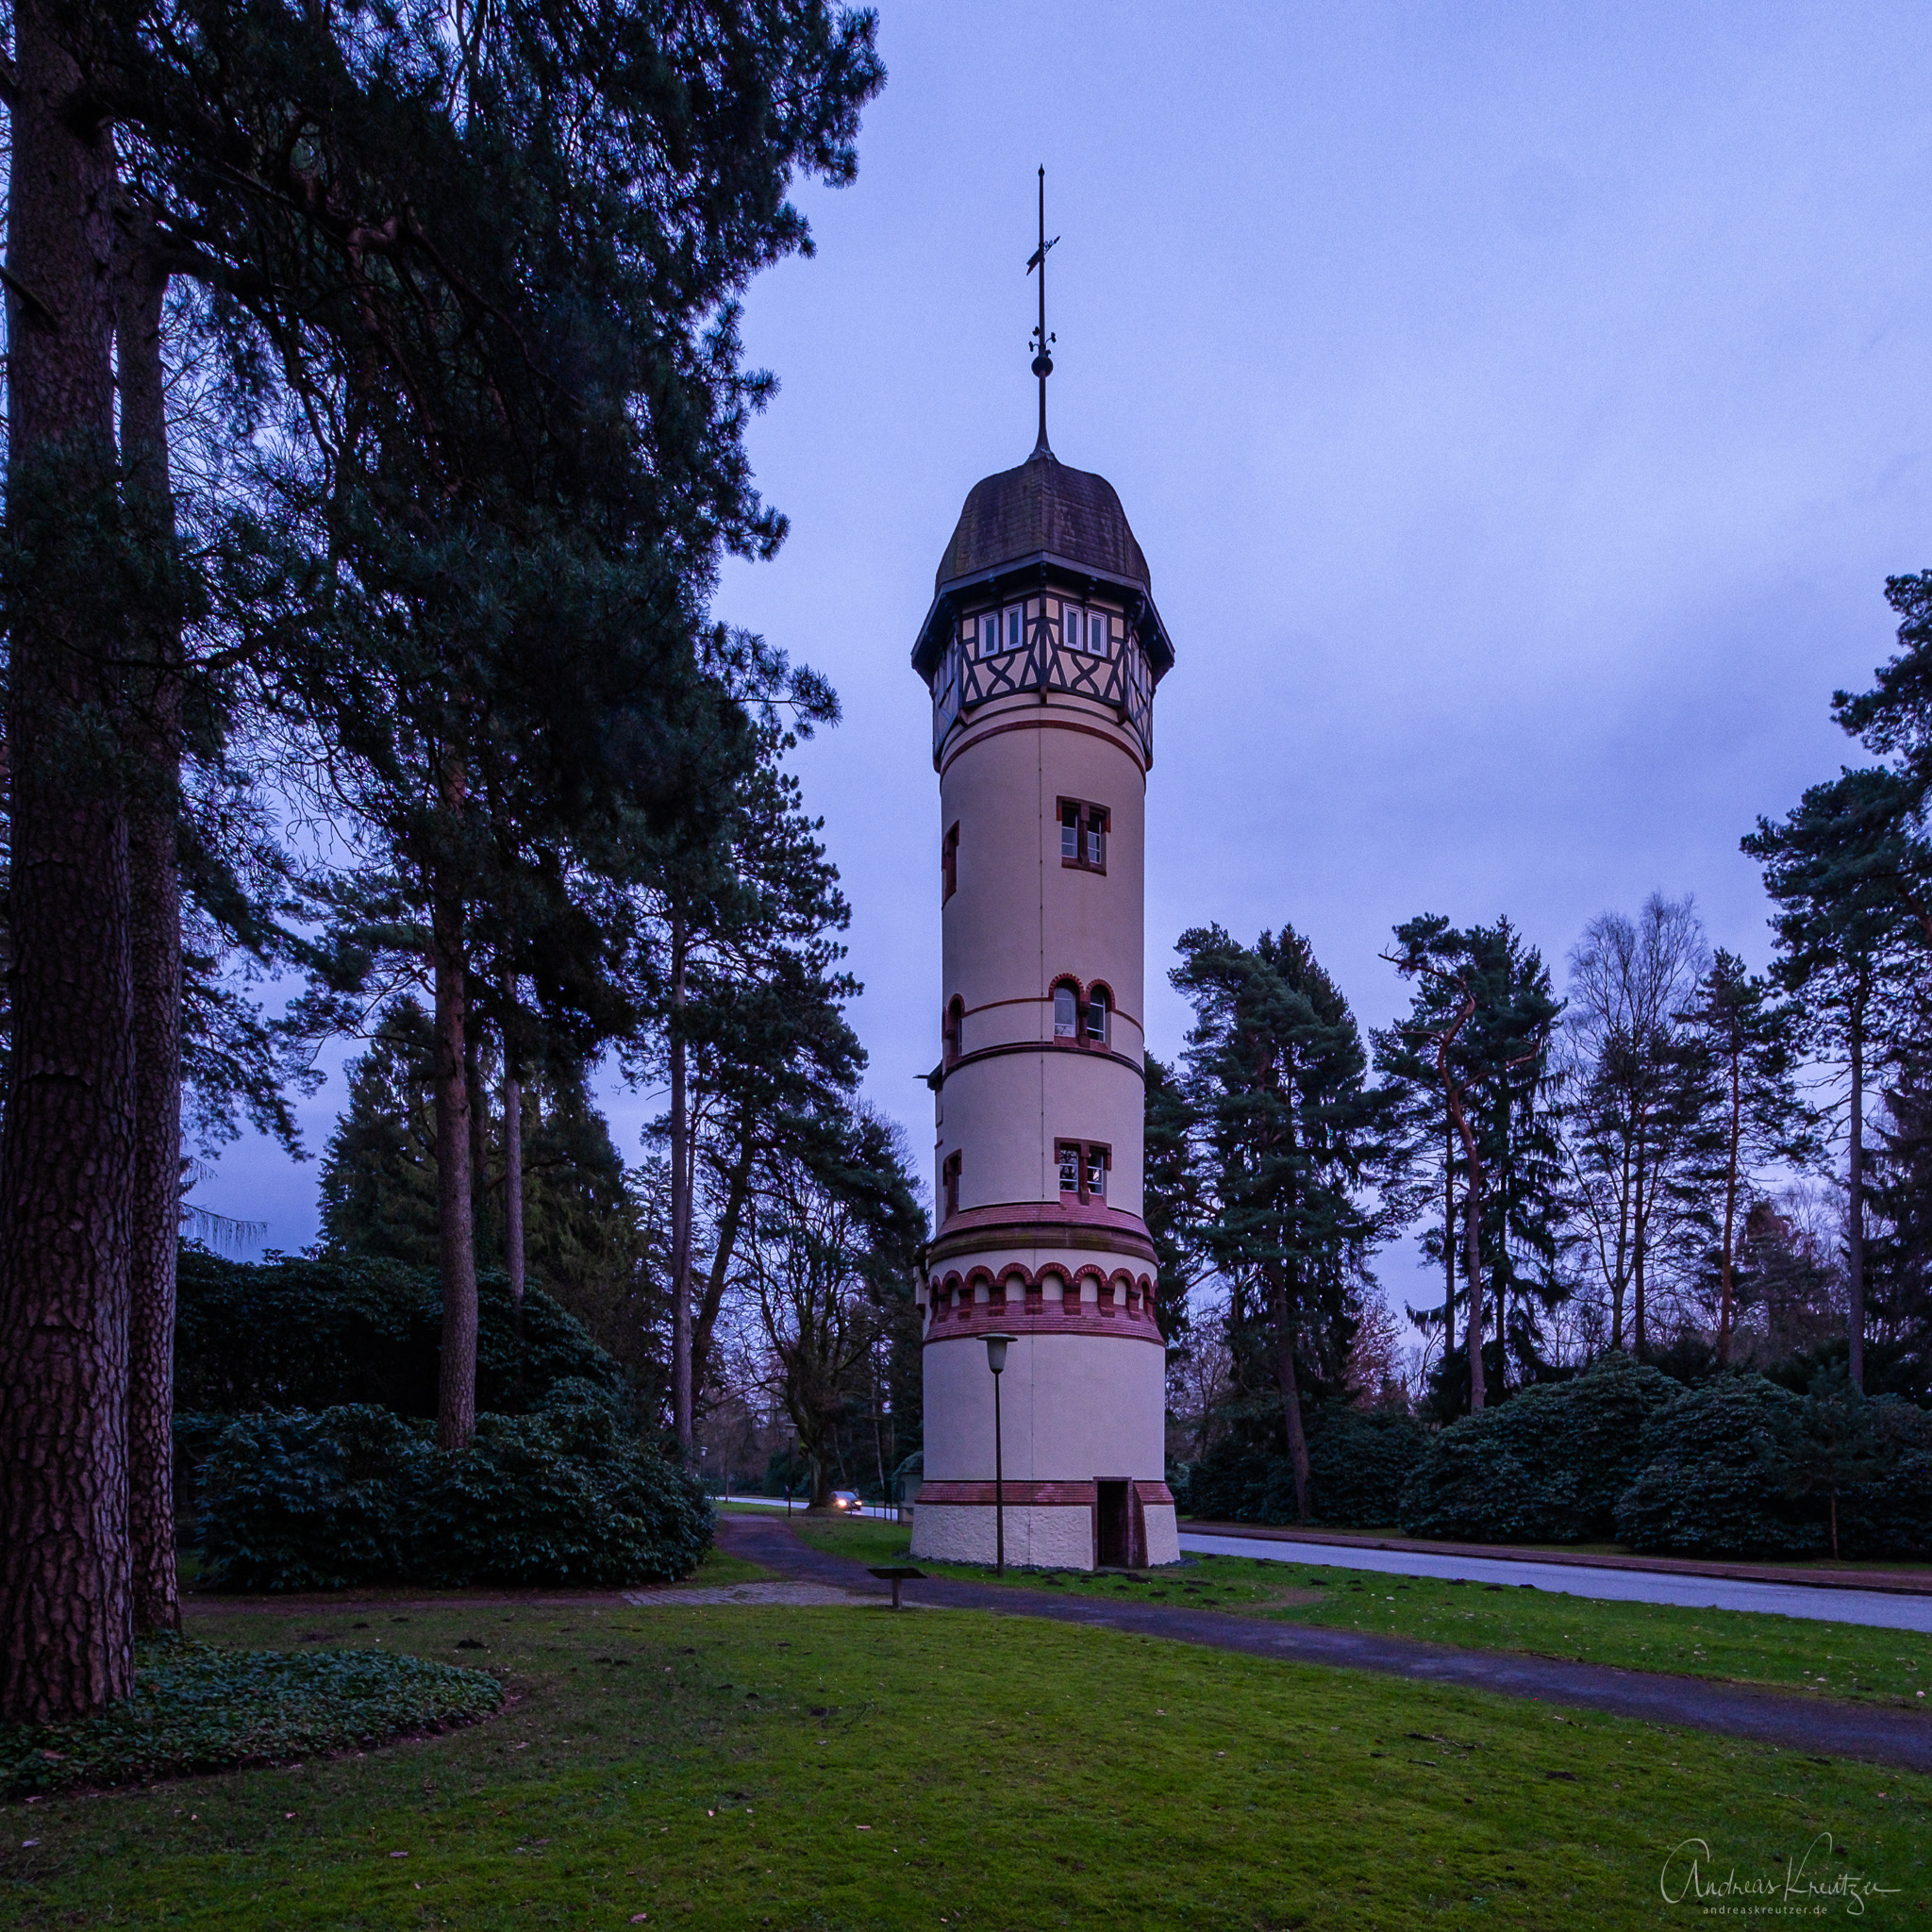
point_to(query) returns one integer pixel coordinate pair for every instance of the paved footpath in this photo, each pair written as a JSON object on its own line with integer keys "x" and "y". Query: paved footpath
{"x": 1878, "y": 1733}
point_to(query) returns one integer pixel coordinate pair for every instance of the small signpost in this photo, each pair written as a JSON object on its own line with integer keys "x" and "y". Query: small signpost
{"x": 895, "y": 1577}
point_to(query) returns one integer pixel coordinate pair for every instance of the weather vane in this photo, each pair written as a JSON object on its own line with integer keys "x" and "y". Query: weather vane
{"x": 1041, "y": 342}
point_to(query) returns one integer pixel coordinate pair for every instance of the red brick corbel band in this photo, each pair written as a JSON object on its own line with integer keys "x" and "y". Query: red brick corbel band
{"x": 1034, "y": 1495}
{"x": 1125, "y": 1304}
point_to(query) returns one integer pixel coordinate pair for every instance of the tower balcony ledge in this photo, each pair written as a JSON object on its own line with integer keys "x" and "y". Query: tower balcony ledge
{"x": 1035, "y": 1224}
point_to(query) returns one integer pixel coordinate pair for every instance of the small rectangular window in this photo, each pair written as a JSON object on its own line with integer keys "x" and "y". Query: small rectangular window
{"x": 950, "y": 1174}
{"x": 1073, "y": 627}
{"x": 1096, "y": 633}
{"x": 1083, "y": 1166}
{"x": 1083, "y": 835}
{"x": 949, "y": 864}
{"x": 1096, "y": 1017}
{"x": 1015, "y": 627}
{"x": 990, "y": 634}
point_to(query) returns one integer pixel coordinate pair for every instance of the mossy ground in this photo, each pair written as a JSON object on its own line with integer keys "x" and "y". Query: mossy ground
{"x": 1790, "y": 1653}
{"x": 714, "y": 1766}
{"x": 198, "y": 1706}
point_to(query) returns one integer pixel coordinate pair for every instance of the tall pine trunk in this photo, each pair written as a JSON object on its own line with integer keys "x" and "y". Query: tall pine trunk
{"x": 1290, "y": 1383}
{"x": 1449, "y": 1244}
{"x": 67, "y": 1147}
{"x": 1727, "y": 1261}
{"x": 154, "y": 731}
{"x": 514, "y": 1182}
{"x": 681, "y": 1175}
{"x": 456, "y": 1389}
{"x": 1472, "y": 1278}
{"x": 1855, "y": 1197}
{"x": 1640, "y": 1334}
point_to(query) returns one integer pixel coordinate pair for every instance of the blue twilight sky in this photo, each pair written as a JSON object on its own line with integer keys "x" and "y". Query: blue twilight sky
{"x": 1520, "y": 407}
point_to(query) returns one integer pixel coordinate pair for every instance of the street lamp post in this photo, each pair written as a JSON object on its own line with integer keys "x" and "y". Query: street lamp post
{"x": 996, "y": 1361}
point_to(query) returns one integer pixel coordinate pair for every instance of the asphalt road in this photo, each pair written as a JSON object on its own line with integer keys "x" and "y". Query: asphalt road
{"x": 1879, "y": 1734}
{"x": 1831, "y": 1605}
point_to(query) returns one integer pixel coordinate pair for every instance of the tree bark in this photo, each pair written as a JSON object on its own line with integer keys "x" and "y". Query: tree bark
{"x": 1289, "y": 1383}
{"x": 1472, "y": 1270}
{"x": 455, "y": 1390}
{"x": 1448, "y": 1243}
{"x": 1855, "y": 1199}
{"x": 680, "y": 1198}
{"x": 738, "y": 1193}
{"x": 514, "y": 1181}
{"x": 67, "y": 1146}
{"x": 154, "y": 733}
{"x": 1726, "y": 1274}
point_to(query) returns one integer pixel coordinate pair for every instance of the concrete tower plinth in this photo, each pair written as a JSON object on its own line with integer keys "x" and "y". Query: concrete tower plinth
{"x": 1042, "y": 649}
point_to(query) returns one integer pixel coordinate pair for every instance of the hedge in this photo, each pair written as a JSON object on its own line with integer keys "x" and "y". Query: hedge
{"x": 1358, "y": 1463}
{"x": 1547, "y": 1466}
{"x": 1715, "y": 1476}
{"x": 354, "y": 1496}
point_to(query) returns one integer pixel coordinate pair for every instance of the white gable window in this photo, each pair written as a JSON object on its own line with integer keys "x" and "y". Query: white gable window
{"x": 1098, "y": 640}
{"x": 990, "y": 634}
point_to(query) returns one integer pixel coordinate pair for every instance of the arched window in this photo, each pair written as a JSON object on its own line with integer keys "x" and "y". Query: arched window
{"x": 1066, "y": 1013}
{"x": 955, "y": 1029}
{"x": 1099, "y": 1014}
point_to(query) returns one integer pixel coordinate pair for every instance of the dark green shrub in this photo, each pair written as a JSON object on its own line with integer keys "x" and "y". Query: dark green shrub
{"x": 1231, "y": 1483}
{"x": 1359, "y": 1461}
{"x": 1547, "y": 1466}
{"x": 355, "y": 1495}
{"x": 1892, "y": 1515}
{"x": 563, "y": 1497}
{"x": 1717, "y": 1476}
{"x": 314, "y": 1334}
{"x": 311, "y": 1502}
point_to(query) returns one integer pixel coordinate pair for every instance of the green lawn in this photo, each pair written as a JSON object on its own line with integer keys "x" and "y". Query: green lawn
{"x": 1792, "y": 1652}
{"x": 820, "y": 1768}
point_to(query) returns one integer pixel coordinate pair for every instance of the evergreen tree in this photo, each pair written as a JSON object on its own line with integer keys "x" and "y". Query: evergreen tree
{"x": 1849, "y": 874}
{"x": 1289, "y": 1135}
{"x": 1746, "y": 1039}
{"x": 586, "y": 1222}
{"x": 1484, "y": 1016}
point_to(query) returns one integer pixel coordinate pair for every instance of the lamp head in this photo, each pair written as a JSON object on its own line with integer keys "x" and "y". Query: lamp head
{"x": 996, "y": 1351}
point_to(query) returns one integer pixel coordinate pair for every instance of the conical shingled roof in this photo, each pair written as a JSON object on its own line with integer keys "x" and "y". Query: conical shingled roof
{"x": 1044, "y": 509}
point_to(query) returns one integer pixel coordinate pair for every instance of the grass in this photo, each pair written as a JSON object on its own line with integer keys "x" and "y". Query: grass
{"x": 831, "y": 1770}
{"x": 1743, "y": 1646}
{"x": 197, "y": 1708}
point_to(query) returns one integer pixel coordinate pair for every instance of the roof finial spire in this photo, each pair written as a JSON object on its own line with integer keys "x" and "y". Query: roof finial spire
{"x": 1042, "y": 341}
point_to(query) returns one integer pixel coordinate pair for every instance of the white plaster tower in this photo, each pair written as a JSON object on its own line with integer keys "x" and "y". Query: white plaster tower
{"x": 1042, "y": 649}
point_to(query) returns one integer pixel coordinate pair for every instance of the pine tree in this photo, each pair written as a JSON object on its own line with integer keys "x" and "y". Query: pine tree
{"x": 1850, "y": 875}
{"x": 67, "y": 1149}
{"x": 1747, "y": 1038}
{"x": 1289, "y": 1135}
{"x": 1485, "y": 1017}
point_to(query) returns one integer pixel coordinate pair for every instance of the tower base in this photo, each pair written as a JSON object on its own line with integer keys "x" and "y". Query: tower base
{"x": 1122, "y": 1525}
